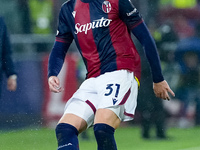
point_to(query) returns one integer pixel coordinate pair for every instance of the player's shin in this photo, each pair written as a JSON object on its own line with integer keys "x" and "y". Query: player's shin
{"x": 105, "y": 137}
{"x": 67, "y": 137}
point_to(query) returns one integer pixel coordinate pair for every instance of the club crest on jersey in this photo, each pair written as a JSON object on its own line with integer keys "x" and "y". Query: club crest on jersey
{"x": 106, "y": 6}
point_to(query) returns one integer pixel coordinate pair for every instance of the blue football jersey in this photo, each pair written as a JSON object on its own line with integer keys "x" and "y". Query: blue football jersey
{"x": 101, "y": 30}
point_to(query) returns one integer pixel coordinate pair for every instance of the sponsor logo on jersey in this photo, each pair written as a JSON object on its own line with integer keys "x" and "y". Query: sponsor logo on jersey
{"x": 103, "y": 22}
{"x": 132, "y": 12}
{"x": 106, "y": 6}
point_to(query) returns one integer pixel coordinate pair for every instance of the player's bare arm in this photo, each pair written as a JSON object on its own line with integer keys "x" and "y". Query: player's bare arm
{"x": 54, "y": 84}
{"x": 162, "y": 90}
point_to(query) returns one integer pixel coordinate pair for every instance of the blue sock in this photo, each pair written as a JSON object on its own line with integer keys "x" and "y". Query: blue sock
{"x": 67, "y": 137}
{"x": 105, "y": 137}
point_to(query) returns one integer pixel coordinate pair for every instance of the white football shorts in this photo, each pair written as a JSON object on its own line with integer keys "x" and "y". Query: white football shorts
{"x": 115, "y": 90}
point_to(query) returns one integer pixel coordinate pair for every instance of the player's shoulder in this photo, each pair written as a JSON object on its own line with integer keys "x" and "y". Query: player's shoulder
{"x": 67, "y": 5}
{"x": 67, "y": 2}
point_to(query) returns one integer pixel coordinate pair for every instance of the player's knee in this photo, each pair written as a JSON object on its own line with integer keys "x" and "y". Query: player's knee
{"x": 101, "y": 129}
{"x": 105, "y": 137}
{"x": 64, "y": 128}
{"x": 66, "y": 136}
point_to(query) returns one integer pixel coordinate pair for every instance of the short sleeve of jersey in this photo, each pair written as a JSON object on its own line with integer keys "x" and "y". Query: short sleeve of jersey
{"x": 64, "y": 32}
{"x": 129, "y": 14}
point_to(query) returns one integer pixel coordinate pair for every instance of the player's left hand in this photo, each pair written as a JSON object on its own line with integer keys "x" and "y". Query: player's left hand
{"x": 162, "y": 90}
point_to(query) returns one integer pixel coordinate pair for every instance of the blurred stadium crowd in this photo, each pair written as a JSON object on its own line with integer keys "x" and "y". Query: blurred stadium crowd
{"x": 174, "y": 24}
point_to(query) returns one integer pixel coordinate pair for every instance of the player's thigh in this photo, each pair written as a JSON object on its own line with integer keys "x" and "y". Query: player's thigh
{"x": 74, "y": 120}
{"x": 108, "y": 117}
{"x": 78, "y": 113}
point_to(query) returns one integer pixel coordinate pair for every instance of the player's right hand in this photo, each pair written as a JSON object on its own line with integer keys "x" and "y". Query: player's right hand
{"x": 54, "y": 84}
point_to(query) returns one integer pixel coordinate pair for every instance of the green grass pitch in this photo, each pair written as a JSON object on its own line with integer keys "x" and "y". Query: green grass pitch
{"x": 127, "y": 138}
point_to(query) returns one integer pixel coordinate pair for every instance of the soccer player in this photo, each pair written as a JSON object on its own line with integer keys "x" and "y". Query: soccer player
{"x": 102, "y": 30}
